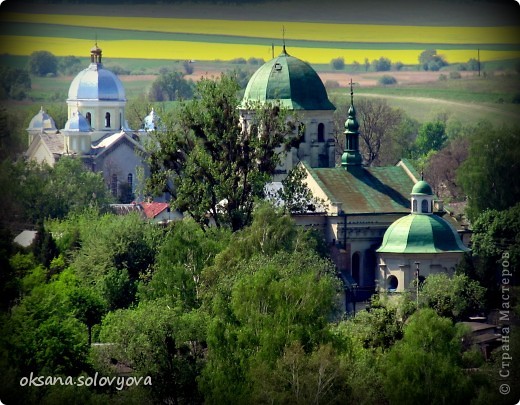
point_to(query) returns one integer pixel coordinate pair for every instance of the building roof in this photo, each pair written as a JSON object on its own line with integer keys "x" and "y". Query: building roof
{"x": 77, "y": 123}
{"x": 152, "y": 209}
{"x": 422, "y": 187}
{"x": 25, "y": 238}
{"x": 42, "y": 122}
{"x": 291, "y": 82}
{"x": 421, "y": 233}
{"x": 366, "y": 190}
{"x": 96, "y": 83}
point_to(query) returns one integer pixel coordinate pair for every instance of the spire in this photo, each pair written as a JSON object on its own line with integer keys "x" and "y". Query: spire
{"x": 351, "y": 156}
{"x": 283, "y": 38}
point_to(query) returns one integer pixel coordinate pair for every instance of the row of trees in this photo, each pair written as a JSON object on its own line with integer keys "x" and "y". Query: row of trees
{"x": 213, "y": 316}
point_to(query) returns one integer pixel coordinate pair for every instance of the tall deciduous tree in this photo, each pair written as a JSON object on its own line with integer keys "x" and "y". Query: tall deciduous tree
{"x": 487, "y": 176}
{"x": 424, "y": 366}
{"x": 209, "y": 164}
{"x": 432, "y": 136}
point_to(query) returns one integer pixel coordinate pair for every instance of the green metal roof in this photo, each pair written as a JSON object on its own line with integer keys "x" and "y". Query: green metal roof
{"x": 421, "y": 233}
{"x": 290, "y": 81}
{"x": 422, "y": 187}
{"x": 366, "y": 189}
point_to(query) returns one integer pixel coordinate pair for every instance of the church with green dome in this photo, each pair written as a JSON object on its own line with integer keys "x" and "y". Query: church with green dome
{"x": 419, "y": 242}
{"x": 374, "y": 230}
{"x": 291, "y": 83}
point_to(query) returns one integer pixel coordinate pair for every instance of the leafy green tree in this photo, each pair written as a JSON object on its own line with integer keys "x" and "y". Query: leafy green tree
{"x": 14, "y": 83}
{"x": 430, "y": 60}
{"x": 338, "y": 63}
{"x": 184, "y": 253}
{"x": 44, "y": 248}
{"x": 171, "y": 86}
{"x": 69, "y": 65}
{"x": 454, "y": 297}
{"x": 88, "y": 307}
{"x": 42, "y": 63}
{"x": 432, "y": 136}
{"x": 159, "y": 341}
{"x": 209, "y": 164}
{"x": 295, "y": 195}
{"x": 424, "y": 367}
{"x": 485, "y": 176}
{"x": 382, "y": 64}
{"x": 300, "y": 378}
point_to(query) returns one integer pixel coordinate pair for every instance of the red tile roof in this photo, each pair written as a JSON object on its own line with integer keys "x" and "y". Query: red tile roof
{"x": 152, "y": 209}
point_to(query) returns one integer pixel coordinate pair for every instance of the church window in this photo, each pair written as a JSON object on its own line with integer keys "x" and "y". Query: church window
{"x": 321, "y": 132}
{"x": 392, "y": 283}
{"x": 355, "y": 266}
{"x": 107, "y": 120}
{"x": 113, "y": 185}
{"x": 89, "y": 118}
{"x": 414, "y": 205}
{"x": 424, "y": 206}
{"x": 130, "y": 181}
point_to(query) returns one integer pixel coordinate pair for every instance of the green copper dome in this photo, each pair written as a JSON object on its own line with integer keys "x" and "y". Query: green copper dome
{"x": 422, "y": 187}
{"x": 289, "y": 80}
{"x": 416, "y": 233}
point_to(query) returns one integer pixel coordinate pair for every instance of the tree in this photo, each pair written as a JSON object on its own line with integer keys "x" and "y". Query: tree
{"x": 382, "y": 64}
{"x": 431, "y": 137}
{"x": 485, "y": 176}
{"x": 424, "y": 366}
{"x": 209, "y": 164}
{"x": 430, "y": 60}
{"x": 161, "y": 342}
{"x": 456, "y": 297}
{"x": 295, "y": 195}
{"x": 171, "y": 86}
{"x": 14, "y": 83}
{"x": 377, "y": 122}
{"x": 42, "y": 63}
{"x": 69, "y": 65}
{"x": 338, "y": 63}
{"x": 441, "y": 168}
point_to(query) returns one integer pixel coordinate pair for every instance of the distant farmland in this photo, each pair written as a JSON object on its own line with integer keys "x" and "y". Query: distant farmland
{"x": 212, "y": 39}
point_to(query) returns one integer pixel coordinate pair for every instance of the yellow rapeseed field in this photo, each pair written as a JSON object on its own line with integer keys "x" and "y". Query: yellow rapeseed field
{"x": 25, "y": 45}
{"x": 294, "y": 30}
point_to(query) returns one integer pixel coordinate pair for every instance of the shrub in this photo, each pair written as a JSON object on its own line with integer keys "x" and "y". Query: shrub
{"x": 443, "y": 77}
{"x": 188, "y": 67}
{"x": 387, "y": 80}
{"x": 238, "y": 61}
{"x": 455, "y": 75}
{"x": 331, "y": 84}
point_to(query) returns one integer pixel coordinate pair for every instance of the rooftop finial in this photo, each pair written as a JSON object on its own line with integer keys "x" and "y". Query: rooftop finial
{"x": 283, "y": 38}
{"x": 351, "y": 92}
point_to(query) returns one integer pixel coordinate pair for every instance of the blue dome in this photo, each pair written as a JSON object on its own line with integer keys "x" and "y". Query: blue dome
{"x": 96, "y": 83}
{"x": 77, "y": 123}
{"x": 42, "y": 122}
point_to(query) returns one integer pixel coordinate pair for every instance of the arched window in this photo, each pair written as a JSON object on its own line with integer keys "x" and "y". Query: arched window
{"x": 107, "y": 120}
{"x": 414, "y": 205}
{"x": 321, "y": 132}
{"x": 113, "y": 185}
{"x": 130, "y": 182}
{"x": 355, "y": 266}
{"x": 424, "y": 206}
{"x": 89, "y": 118}
{"x": 392, "y": 283}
